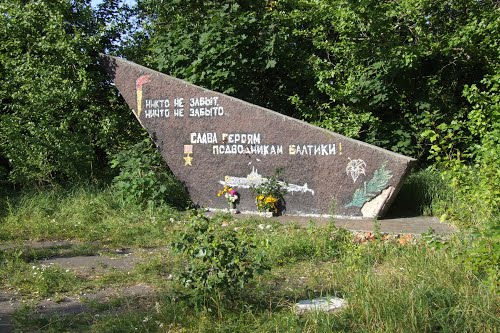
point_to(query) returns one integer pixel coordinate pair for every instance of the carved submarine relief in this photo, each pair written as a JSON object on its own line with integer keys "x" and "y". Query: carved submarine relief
{"x": 254, "y": 179}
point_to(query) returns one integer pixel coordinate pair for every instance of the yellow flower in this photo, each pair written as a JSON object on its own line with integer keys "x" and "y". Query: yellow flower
{"x": 223, "y": 191}
{"x": 271, "y": 199}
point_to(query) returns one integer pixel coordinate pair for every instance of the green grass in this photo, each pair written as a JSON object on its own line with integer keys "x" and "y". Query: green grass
{"x": 422, "y": 286}
{"x": 33, "y": 280}
{"x": 390, "y": 288}
{"x": 86, "y": 215}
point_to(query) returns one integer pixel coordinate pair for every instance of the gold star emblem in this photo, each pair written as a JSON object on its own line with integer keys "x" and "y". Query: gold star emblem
{"x": 188, "y": 159}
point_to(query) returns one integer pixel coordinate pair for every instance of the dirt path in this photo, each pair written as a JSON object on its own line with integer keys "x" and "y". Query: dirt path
{"x": 83, "y": 266}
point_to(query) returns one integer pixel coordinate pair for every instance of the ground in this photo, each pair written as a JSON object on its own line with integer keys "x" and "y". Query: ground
{"x": 100, "y": 261}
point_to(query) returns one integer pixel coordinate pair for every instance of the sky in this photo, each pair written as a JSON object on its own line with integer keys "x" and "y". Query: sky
{"x": 96, "y": 2}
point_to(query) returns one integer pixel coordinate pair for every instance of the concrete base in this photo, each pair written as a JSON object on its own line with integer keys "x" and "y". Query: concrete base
{"x": 408, "y": 225}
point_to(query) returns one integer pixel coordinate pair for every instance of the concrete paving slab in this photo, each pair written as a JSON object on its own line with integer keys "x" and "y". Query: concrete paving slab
{"x": 38, "y": 245}
{"x": 9, "y": 302}
{"x": 408, "y": 225}
{"x": 88, "y": 265}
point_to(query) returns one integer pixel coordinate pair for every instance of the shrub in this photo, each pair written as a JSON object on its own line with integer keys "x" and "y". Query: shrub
{"x": 220, "y": 259}
{"x": 60, "y": 119}
{"x": 145, "y": 179}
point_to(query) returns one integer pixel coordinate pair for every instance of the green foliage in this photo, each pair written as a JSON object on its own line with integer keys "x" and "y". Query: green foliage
{"x": 243, "y": 48}
{"x": 423, "y": 192}
{"x": 371, "y": 188}
{"x": 220, "y": 259}
{"x": 482, "y": 257}
{"x": 478, "y": 183}
{"x": 418, "y": 78}
{"x": 292, "y": 245}
{"x": 34, "y": 279}
{"x": 392, "y": 73}
{"x": 401, "y": 68}
{"x": 59, "y": 117}
{"x": 145, "y": 179}
{"x": 429, "y": 282}
{"x": 425, "y": 289}
{"x": 475, "y": 199}
{"x": 87, "y": 214}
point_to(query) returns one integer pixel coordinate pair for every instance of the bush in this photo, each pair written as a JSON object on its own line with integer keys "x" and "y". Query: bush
{"x": 220, "y": 259}
{"x": 60, "y": 119}
{"x": 145, "y": 179}
{"x": 291, "y": 245}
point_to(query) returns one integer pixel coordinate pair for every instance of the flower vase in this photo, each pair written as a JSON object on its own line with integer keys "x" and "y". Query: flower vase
{"x": 232, "y": 208}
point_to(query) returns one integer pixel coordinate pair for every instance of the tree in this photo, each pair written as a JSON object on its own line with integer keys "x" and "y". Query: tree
{"x": 242, "y": 48}
{"x": 394, "y": 71}
{"x": 391, "y": 73}
{"x": 59, "y": 118}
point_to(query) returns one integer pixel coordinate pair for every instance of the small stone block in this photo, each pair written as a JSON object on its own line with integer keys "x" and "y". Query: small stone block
{"x": 322, "y": 304}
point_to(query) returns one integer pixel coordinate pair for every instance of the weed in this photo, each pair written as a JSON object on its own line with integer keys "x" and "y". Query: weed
{"x": 424, "y": 285}
{"x": 482, "y": 255}
{"x": 292, "y": 244}
{"x": 85, "y": 214}
{"x": 34, "y": 279}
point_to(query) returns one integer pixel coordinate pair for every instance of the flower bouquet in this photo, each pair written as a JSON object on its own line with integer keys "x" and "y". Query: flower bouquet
{"x": 232, "y": 197}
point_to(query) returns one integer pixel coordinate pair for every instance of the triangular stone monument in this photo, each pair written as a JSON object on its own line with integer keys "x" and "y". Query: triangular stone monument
{"x": 209, "y": 140}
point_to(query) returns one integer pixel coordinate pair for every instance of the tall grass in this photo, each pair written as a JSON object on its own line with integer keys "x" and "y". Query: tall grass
{"x": 85, "y": 214}
{"x": 417, "y": 290}
{"x": 422, "y": 193}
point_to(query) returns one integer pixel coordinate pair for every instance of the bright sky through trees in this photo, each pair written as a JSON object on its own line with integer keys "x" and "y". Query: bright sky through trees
{"x": 96, "y": 2}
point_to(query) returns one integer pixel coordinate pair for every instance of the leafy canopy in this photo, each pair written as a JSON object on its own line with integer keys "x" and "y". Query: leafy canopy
{"x": 59, "y": 119}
